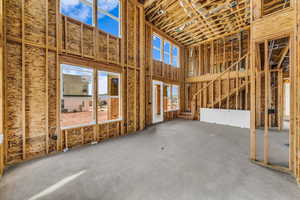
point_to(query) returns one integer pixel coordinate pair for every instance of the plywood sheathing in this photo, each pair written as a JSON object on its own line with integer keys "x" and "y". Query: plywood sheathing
{"x": 38, "y": 40}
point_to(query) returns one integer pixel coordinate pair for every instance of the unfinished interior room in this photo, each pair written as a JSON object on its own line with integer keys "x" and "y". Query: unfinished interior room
{"x": 149, "y": 99}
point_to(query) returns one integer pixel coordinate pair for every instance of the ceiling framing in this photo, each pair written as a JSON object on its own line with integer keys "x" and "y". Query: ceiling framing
{"x": 194, "y": 21}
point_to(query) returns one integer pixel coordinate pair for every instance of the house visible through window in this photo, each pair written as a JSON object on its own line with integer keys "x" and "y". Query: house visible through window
{"x": 156, "y": 50}
{"x": 77, "y": 96}
{"x": 109, "y": 16}
{"x": 171, "y": 97}
{"x": 175, "y": 97}
{"x": 81, "y": 10}
{"x": 108, "y": 96}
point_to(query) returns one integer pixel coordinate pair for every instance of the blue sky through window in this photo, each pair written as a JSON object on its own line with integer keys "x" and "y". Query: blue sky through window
{"x": 175, "y": 51}
{"x": 108, "y": 13}
{"x": 167, "y": 47}
{"x": 110, "y": 6}
{"x": 78, "y": 10}
{"x": 156, "y": 54}
{"x": 167, "y": 58}
{"x": 108, "y": 16}
{"x": 108, "y": 25}
{"x": 156, "y": 41}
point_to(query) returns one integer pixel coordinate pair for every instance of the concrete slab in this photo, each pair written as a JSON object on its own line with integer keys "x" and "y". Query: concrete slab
{"x": 187, "y": 160}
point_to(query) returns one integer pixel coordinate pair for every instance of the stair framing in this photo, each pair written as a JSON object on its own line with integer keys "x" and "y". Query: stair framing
{"x": 225, "y": 75}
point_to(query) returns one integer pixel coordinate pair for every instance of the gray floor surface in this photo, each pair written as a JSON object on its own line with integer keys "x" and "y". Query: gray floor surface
{"x": 186, "y": 160}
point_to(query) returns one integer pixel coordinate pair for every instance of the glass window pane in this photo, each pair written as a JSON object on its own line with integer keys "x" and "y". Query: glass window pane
{"x": 114, "y": 86}
{"x": 169, "y": 98}
{"x": 156, "y": 54}
{"x": 108, "y": 24}
{"x": 108, "y": 96}
{"x": 78, "y": 10}
{"x": 110, "y": 6}
{"x": 77, "y": 96}
{"x": 175, "y": 51}
{"x": 156, "y": 41}
{"x": 175, "y": 97}
{"x": 167, "y": 47}
{"x": 167, "y": 59}
{"x": 175, "y": 62}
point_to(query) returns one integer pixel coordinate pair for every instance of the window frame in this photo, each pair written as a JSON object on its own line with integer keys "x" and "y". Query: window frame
{"x": 162, "y": 51}
{"x": 95, "y": 11}
{"x": 177, "y": 57}
{"x": 168, "y": 53}
{"x": 158, "y": 49}
{"x": 62, "y": 93}
{"x": 120, "y": 96}
{"x": 94, "y": 95}
{"x": 118, "y": 19}
{"x": 87, "y": 3}
{"x": 171, "y": 96}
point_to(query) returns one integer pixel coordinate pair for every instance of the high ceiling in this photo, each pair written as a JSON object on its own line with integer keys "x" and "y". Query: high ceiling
{"x": 192, "y": 21}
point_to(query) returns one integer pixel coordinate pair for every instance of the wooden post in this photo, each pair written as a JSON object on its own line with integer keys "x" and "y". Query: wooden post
{"x": 266, "y": 114}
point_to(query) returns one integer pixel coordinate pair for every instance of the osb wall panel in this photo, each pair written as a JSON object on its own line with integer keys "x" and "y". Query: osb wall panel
{"x": 131, "y": 28}
{"x": 35, "y": 21}
{"x": 35, "y": 90}
{"x": 52, "y": 103}
{"x": 102, "y": 46}
{"x": 166, "y": 72}
{"x": 265, "y": 26}
{"x": 114, "y": 49}
{"x": 75, "y": 137}
{"x": 37, "y": 99}
{"x": 131, "y": 99}
{"x": 73, "y": 37}
{"x": 51, "y": 23}
{"x": 89, "y": 42}
{"x": 13, "y": 77}
{"x": 13, "y": 18}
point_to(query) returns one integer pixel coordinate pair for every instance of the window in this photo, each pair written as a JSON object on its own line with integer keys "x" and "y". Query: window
{"x": 81, "y": 10}
{"x": 172, "y": 98}
{"x": 175, "y": 97}
{"x": 163, "y": 50}
{"x": 175, "y": 56}
{"x": 156, "y": 51}
{"x": 108, "y": 96}
{"x": 167, "y": 52}
{"x": 108, "y": 13}
{"x": 77, "y": 96}
{"x": 169, "y": 98}
{"x": 109, "y": 16}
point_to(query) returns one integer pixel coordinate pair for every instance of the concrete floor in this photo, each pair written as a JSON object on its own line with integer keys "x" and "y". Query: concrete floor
{"x": 175, "y": 160}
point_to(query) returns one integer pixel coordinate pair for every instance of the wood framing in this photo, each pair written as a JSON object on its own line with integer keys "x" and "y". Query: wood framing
{"x": 37, "y": 40}
{"x": 270, "y": 24}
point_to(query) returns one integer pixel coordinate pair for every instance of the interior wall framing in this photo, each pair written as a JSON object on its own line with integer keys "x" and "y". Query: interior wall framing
{"x": 217, "y": 73}
{"x": 279, "y": 24}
